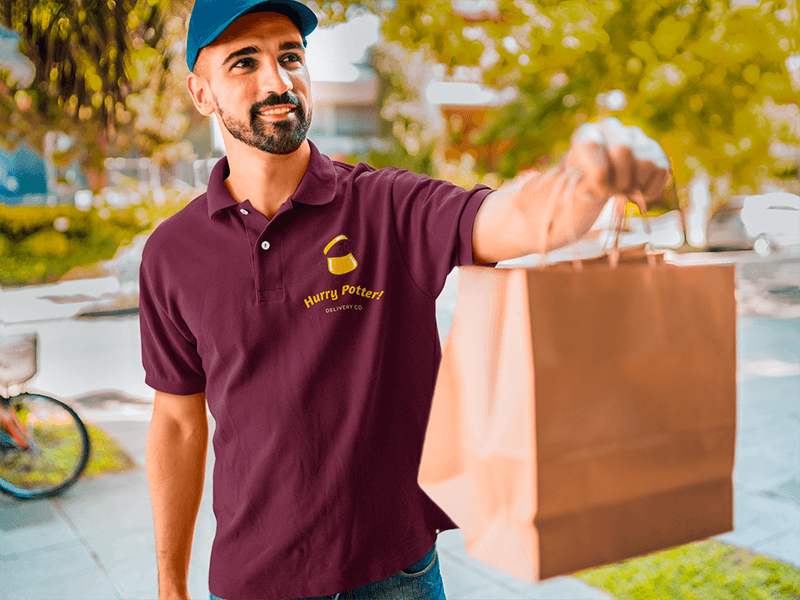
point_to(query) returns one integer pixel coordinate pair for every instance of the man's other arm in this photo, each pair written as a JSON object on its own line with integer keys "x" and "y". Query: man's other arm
{"x": 611, "y": 159}
{"x": 177, "y": 443}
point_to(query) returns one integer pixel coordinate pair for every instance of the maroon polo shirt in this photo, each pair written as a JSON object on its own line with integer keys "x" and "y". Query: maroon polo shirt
{"x": 314, "y": 337}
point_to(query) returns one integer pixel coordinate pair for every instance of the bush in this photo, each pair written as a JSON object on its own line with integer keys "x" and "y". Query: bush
{"x": 33, "y": 251}
{"x": 47, "y": 244}
{"x": 39, "y": 244}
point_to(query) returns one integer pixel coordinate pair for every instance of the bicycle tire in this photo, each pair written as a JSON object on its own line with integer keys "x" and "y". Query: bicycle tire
{"x": 58, "y": 454}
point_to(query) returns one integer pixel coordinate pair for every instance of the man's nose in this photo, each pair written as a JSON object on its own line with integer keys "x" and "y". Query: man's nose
{"x": 275, "y": 79}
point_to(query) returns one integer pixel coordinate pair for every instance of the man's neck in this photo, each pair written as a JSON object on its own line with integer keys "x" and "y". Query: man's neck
{"x": 267, "y": 180}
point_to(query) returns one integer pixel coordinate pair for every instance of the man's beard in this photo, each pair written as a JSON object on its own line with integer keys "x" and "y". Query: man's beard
{"x": 287, "y": 135}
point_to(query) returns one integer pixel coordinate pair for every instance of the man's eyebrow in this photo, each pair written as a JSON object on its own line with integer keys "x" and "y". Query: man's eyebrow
{"x": 248, "y": 51}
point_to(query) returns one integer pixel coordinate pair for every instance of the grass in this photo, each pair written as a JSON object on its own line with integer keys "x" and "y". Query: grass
{"x": 706, "y": 570}
{"x": 105, "y": 456}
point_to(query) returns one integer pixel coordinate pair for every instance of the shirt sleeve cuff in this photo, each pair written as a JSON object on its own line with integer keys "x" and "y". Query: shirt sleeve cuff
{"x": 178, "y": 388}
{"x": 467, "y": 225}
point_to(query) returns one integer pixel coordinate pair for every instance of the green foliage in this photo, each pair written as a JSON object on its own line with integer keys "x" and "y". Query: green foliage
{"x": 329, "y": 13}
{"x": 106, "y": 456}
{"x": 32, "y": 250}
{"x": 110, "y": 74}
{"x": 47, "y": 244}
{"x": 707, "y": 78}
{"x": 698, "y": 571}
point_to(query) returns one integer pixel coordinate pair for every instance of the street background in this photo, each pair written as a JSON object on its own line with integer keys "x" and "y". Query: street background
{"x": 96, "y": 541}
{"x": 99, "y": 142}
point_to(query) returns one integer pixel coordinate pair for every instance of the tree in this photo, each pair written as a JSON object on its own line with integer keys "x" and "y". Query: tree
{"x": 707, "y": 78}
{"x": 108, "y": 73}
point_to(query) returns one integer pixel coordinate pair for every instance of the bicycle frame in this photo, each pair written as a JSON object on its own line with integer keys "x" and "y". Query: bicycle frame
{"x": 8, "y": 418}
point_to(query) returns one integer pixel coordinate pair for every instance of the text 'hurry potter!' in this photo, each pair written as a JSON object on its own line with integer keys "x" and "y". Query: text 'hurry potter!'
{"x": 346, "y": 289}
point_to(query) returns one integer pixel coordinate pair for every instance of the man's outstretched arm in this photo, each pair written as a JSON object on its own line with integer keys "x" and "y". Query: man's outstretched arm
{"x": 604, "y": 159}
{"x": 177, "y": 442}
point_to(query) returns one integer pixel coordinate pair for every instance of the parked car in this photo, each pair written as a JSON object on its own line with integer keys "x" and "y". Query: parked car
{"x": 772, "y": 221}
{"x": 762, "y": 223}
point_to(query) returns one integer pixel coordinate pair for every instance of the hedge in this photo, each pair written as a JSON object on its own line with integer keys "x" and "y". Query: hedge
{"x": 39, "y": 244}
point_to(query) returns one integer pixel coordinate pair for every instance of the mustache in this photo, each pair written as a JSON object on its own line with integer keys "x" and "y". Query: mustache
{"x": 275, "y": 100}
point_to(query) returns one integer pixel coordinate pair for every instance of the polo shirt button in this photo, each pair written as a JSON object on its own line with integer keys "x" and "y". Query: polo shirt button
{"x": 244, "y": 211}
{"x": 265, "y": 245}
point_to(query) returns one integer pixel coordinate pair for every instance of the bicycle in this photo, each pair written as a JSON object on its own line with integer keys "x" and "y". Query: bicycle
{"x": 44, "y": 444}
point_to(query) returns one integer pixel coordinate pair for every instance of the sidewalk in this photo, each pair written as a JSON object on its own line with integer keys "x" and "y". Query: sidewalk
{"x": 96, "y": 540}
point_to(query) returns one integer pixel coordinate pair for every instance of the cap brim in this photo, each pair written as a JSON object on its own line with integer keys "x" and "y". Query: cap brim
{"x": 303, "y": 18}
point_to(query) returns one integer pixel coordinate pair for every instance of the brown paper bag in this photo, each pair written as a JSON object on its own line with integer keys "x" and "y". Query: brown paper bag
{"x": 581, "y": 418}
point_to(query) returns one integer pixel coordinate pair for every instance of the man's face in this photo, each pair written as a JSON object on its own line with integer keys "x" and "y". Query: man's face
{"x": 256, "y": 75}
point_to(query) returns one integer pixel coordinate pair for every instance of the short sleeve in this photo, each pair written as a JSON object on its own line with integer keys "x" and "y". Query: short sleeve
{"x": 434, "y": 220}
{"x": 169, "y": 349}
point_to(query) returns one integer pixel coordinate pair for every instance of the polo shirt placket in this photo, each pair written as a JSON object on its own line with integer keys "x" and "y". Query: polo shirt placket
{"x": 265, "y": 252}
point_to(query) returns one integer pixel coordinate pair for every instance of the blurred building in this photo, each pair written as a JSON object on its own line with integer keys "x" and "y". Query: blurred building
{"x": 345, "y": 87}
{"x": 23, "y": 177}
{"x": 10, "y": 58}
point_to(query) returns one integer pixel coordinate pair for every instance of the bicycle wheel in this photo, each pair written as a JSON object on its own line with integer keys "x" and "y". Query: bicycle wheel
{"x": 55, "y": 452}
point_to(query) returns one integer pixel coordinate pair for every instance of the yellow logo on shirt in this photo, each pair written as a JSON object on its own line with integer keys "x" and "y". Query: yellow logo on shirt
{"x": 340, "y": 265}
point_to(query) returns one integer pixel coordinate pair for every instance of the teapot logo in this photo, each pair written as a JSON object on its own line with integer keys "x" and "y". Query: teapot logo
{"x": 339, "y": 265}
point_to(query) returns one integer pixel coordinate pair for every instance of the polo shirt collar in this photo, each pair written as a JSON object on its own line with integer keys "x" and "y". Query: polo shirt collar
{"x": 317, "y": 187}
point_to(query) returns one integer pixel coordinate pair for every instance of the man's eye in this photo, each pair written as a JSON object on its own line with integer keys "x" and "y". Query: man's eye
{"x": 245, "y": 63}
{"x": 291, "y": 58}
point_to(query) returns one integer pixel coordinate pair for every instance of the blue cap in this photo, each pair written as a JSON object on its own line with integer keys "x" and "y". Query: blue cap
{"x": 211, "y": 17}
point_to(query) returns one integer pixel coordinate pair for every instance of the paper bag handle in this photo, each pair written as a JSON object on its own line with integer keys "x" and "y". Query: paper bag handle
{"x": 568, "y": 181}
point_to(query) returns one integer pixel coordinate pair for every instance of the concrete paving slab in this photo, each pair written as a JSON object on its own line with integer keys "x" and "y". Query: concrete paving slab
{"x": 763, "y": 336}
{"x": 44, "y": 566}
{"x": 113, "y": 509}
{"x": 757, "y": 518}
{"x": 29, "y": 526}
{"x": 60, "y": 300}
{"x": 466, "y": 576}
{"x": 452, "y": 540}
{"x": 562, "y": 588}
{"x": 784, "y": 547}
{"x": 137, "y": 579}
{"x": 775, "y": 435}
{"x": 461, "y": 577}
{"x": 769, "y": 397}
{"x": 788, "y": 490}
{"x": 483, "y": 592}
{"x": 72, "y": 586}
{"x": 136, "y": 546}
{"x": 760, "y": 473}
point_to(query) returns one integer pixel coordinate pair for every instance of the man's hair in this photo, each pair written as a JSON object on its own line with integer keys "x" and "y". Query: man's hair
{"x": 200, "y": 67}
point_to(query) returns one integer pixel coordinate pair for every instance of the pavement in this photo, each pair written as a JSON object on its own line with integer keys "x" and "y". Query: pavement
{"x": 96, "y": 540}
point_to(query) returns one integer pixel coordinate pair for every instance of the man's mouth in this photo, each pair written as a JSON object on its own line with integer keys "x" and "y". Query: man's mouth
{"x": 276, "y": 110}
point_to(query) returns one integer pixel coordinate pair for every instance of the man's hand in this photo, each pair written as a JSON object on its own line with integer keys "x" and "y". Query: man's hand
{"x": 537, "y": 213}
{"x": 615, "y": 159}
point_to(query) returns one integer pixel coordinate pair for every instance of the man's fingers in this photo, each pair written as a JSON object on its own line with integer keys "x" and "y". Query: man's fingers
{"x": 623, "y": 169}
{"x": 646, "y": 174}
{"x": 594, "y": 162}
{"x": 620, "y": 160}
{"x": 654, "y": 189}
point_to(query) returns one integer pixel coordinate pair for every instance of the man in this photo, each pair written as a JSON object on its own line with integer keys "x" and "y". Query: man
{"x": 296, "y": 297}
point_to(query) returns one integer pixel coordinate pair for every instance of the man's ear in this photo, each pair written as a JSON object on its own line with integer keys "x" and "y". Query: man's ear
{"x": 201, "y": 94}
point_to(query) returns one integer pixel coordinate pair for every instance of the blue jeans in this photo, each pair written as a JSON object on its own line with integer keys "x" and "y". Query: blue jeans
{"x": 420, "y": 581}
